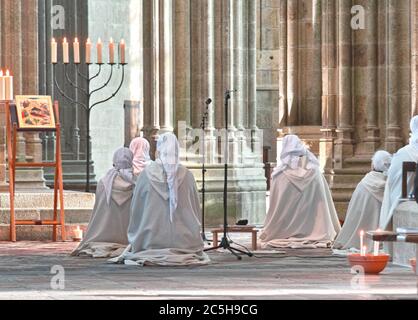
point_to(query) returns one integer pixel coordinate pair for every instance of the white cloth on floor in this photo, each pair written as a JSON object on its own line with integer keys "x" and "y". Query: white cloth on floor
{"x": 156, "y": 240}
{"x": 302, "y": 212}
{"x": 107, "y": 230}
{"x": 363, "y": 212}
{"x": 393, "y": 190}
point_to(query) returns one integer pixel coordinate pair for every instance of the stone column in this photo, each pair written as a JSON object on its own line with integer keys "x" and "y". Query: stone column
{"x": 252, "y": 76}
{"x": 166, "y": 60}
{"x": 292, "y": 63}
{"x": 329, "y": 84}
{"x": 365, "y": 80}
{"x": 399, "y": 76}
{"x": 344, "y": 143}
{"x": 19, "y": 53}
{"x": 283, "y": 65}
{"x": 151, "y": 59}
{"x": 182, "y": 60}
{"x": 414, "y": 62}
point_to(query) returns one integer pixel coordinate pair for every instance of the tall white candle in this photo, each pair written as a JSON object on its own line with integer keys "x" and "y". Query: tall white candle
{"x": 376, "y": 248}
{"x": 364, "y": 251}
{"x": 122, "y": 50}
{"x": 2, "y": 84}
{"x": 111, "y": 51}
{"x": 361, "y": 239}
{"x": 65, "y": 51}
{"x": 8, "y": 86}
{"x": 99, "y": 51}
{"x": 54, "y": 51}
{"x": 76, "y": 47}
{"x": 88, "y": 51}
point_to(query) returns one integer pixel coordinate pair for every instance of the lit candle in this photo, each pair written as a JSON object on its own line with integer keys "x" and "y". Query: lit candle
{"x": 88, "y": 51}
{"x": 2, "y": 84}
{"x": 54, "y": 51}
{"x": 8, "y": 86}
{"x": 361, "y": 239}
{"x": 376, "y": 248}
{"x": 78, "y": 233}
{"x": 111, "y": 51}
{"x": 76, "y": 46}
{"x": 122, "y": 48}
{"x": 99, "y": 51}
{"x": 65, "y": 51}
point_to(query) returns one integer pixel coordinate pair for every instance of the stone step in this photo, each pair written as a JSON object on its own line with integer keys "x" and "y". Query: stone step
{"x": 362, "y": 162}
{"x": 79, "y": 215}
{"x": 341, "y": 208}
{"x": 38, "y": 233}
{"x": 45, "y": 199}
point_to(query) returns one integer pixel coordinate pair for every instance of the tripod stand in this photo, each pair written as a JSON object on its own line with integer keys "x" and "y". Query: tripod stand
{"x": 225, "y": 243}
{"x": 203, "y": 126}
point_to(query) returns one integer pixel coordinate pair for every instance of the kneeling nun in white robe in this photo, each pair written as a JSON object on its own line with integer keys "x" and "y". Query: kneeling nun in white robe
{"x": 106, "y": 234}
{"x": 165, "y": 225}
{"x": 301, "y": 213}
{"x": 364, "y": 208}
{"x": 140, "y": 147}
{"x": 393, "y": 190}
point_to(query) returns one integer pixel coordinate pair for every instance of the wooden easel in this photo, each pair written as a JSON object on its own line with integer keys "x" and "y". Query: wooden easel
{"x": 12, "y": 130}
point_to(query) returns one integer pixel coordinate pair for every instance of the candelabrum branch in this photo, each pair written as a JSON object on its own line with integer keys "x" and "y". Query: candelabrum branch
{"x": 71, "y": 82}
{"x": 114, "y": 93}
{"x": 106, "y": 84}
{"x": 77, "y": 66}
{"x": 65, "y": 95}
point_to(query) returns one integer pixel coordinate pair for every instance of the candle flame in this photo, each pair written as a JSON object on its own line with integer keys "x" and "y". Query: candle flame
{"x": 65, "y": 40}
{"x": 53, "y": 40}
{"x": 99, "y": 41}
{"x": 88, "y": 40}
{"x": 7, "y": 73}
{"x": 362, "y": 232}
{"x": 76, "y": 40}
{"x": 111, "y": 40}
{"x": 1, "y": 73}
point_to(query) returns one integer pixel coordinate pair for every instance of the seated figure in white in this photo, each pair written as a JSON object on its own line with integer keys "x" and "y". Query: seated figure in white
{"x": 165, "y": 224}
{"x": 140, "y": 147}
{"x": 393, "y": 190}
{"x": 106, "y": 234}
{"x": 302, "y": 212}
{"x": 364, "y": 208}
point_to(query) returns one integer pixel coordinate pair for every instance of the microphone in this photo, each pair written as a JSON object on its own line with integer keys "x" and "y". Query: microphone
{"x": 208, "y": 101}
{"x": 231, "y": 91}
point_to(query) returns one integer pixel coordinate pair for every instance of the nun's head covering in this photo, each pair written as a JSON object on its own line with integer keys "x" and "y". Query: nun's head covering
{"x": 168, "y": 154}
{"x": 140, "y": 148}
{"x": 122, "y": 166}
{"x": 414, "y": 132}
{"x": 381, "y": 161}
{"x": 292, "y": 150}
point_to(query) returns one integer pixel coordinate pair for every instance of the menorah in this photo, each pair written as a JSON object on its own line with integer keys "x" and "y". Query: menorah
{"x": 80, "y": 78}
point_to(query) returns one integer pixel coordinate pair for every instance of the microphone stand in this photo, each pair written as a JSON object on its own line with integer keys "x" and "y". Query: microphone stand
{"x": 203, "y": 126}
{"x": 225, "y": 243}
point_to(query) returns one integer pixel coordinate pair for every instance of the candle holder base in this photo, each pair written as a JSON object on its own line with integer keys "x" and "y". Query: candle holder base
{"x": 370, "y": 263}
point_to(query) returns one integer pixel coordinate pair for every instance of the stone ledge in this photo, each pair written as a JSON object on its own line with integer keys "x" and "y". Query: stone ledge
{"x": 406, "y": 215}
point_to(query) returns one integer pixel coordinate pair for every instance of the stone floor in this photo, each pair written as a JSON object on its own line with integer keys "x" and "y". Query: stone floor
{"x": 25, "y": 273}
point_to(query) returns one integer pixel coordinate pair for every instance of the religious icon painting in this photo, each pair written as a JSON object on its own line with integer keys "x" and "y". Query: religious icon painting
{"x": 35, "y": 112}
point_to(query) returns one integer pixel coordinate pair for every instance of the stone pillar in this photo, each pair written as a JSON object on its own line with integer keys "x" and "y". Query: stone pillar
{"x": 19, "y": 53}
{"x": 365, "y": 80}
{"x": 166, "y": 69}
{"x": 283, "y": 64}
{"x": 344, "y": 143}
{"x": 292, "y": 63}
{"x": 399, "y": 76}
{"x": 329, "y": 84}
{"x": 151, "y": 60}
{"x": 252, "y": 75}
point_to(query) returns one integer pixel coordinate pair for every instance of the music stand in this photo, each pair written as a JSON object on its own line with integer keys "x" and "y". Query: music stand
{"x": 225, "y": 243}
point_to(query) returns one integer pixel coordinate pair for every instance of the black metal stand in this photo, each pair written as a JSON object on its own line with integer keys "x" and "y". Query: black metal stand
{"x": 203, "y": 126}
{"x": 225, "y": 243}
{"x": 88, "y": 95}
